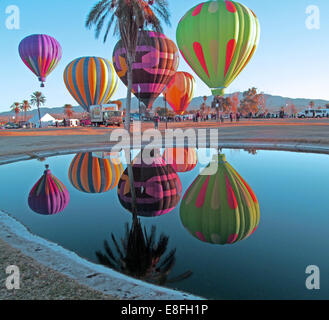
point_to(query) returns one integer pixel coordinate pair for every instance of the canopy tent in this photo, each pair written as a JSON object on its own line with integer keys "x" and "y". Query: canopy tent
{"x": 46, "y": 120}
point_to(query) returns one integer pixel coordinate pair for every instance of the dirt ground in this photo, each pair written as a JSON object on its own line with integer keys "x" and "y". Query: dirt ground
{"x": 15, "y": 142}
{"x": 39, "y": 282}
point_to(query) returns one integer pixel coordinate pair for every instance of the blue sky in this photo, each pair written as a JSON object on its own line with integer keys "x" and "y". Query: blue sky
{"x": 291, "y": 60}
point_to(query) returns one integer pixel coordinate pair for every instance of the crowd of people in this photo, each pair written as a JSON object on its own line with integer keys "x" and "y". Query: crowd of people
{"x": 198, "y": 117}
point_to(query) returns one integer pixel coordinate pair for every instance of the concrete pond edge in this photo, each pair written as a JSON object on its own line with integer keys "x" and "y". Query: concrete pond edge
{"x": 94, "y": 276}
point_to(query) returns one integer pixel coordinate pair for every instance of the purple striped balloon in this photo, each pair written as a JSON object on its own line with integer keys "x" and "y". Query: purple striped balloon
{"x": 49, "y": 196}
{"x": 41, "y": 54}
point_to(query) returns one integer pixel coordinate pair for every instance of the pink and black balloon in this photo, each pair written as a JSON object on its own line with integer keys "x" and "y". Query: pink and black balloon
{"x": 158, "y": 188}
{"x": 156, "y": 62}
{"x": 41, "y": 54}
{"x": 49, "y": 196}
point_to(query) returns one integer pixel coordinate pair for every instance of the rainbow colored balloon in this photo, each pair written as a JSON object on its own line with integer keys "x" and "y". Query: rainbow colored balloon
{"x": 180, "y": 91}
{"x": 218, "y": 39}
{"x": 222, "y": 208}
{"x": 181, "y": 159}
{"x": 91, "y": 81}
{"x": 49, "y": 196}
{"x": 157, "y": 186}
{"x": 41, "y": 54}
{"x": 94, "y": 175}
{"x": 156, "y": 62}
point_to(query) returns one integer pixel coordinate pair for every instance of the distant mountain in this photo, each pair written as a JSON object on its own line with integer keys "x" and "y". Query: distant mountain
{"x": 272, "y": 102}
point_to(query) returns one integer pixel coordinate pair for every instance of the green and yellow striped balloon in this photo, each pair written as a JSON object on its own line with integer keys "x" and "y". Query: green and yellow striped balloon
{"x": 220, "y": 208}
{"x": 218, "y": 39}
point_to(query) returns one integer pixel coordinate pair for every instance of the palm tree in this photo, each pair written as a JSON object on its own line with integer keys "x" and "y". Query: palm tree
{"x": 68, "y": 111}
{"x": 25, "y": 106}
{"x": 38, "y": 99}
{"x": 141, "y": 256}
{"x": 16, "y": 108}
{"x": 127, "y": 17}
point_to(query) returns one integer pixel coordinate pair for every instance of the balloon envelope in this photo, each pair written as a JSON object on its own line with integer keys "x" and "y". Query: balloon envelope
{"x": 218, "y": 39}
{"x": 181, "y": 159}
{"x": 41, "y": 54}
{"x": 91, "y": 81}
{"x": 156, "y": 62}
{"x": 220, "y": 208}
{"x": 157, "y": 187}
{"x": 179, "y": 92}
{"x": 49, "y": 196}
{"x": 93, "y": 174}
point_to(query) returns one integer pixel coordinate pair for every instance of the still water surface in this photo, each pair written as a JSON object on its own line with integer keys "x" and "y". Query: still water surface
{"x": 292, "y": 190}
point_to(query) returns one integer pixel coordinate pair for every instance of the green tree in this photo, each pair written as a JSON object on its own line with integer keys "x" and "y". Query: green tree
{"x": 311, "y": 104}
{"x": 38, "y": 99}
{"x": 68, "y": 110}
{"x": 16, "y": 107}
{"x": 127, "y": 17}
{"x": 25, "y": 106}
{"x": 251, "y": 101}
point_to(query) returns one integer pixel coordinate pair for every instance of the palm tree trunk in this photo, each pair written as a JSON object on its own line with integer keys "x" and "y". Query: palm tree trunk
{"x": 129, "y": 88}
{"x": 39, "y": 114}
{"x": 25, "y": 115}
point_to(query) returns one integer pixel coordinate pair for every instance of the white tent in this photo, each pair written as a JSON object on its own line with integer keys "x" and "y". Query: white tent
{"x": 46, "y": 120}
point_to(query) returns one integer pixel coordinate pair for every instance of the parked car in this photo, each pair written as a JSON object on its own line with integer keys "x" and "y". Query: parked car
{"x": 312, "y": 113}
{"x": 24, "y": 124}
{"x": 11, "y": 125}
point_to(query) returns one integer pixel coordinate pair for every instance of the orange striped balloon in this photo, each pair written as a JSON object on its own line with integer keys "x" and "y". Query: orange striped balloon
{"x": 180, "y": 91}
{"x": 94, "y": 175}
{"x": 181, "y": 159}
{"x": 91, "y": 81}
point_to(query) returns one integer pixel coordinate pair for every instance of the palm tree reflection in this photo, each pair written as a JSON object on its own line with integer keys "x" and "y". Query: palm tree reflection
{"x": 141, "y": 255}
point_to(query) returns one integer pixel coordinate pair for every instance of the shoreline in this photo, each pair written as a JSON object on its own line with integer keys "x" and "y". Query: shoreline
{"x": 99, "y": 280}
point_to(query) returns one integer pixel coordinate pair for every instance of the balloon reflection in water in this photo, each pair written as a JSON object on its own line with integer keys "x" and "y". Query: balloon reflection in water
{"x": 221, "y": 208}
{"x": 181, "y": 159}
{"x": 95, "y": 175}
{"x": 49, "y": 196}
{"x": 157, "y": 187}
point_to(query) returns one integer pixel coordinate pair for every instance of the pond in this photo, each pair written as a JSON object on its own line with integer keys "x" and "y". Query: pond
{"x": 218, "y": 241}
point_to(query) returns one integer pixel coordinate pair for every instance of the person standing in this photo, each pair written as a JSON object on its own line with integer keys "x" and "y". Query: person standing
{"x": 156, "y": 121}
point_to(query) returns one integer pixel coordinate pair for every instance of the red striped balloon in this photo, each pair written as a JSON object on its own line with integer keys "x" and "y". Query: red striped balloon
{"x": 218, "y": 39}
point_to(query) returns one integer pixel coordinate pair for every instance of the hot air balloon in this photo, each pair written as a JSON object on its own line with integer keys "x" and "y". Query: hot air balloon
{"x": 221, "y": 208}
{"x": 93, "y": 174}
{"x": 181, "y": 159}
{"x": 49, "y": 196}
{"x": 91, "y": 81}
{"x": 179, "y": 92}
{"x": 218, "y": 39}
{"x": 156, "y": 62}
{"x": 41, "y": 54}
{"x": 157, "y": 187}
